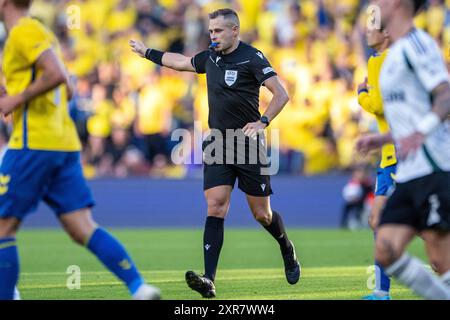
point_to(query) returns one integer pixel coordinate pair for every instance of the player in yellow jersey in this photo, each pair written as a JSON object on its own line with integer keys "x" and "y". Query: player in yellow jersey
{"x": 370, "y": 99}
{"x": 43, "y": 157}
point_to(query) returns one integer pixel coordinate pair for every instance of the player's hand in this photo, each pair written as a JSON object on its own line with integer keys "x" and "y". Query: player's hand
{"x": 369, "y": 142}
{"x": 252, "y": 129}
{"x": 410, "y": 144}
{"x": 9, "y": 103}
{"x": 363, "y": 85}
{"x": 138, "y": 47}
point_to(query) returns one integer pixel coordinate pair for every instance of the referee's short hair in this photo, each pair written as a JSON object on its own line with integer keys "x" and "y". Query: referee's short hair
{"x": 229, "y": 14}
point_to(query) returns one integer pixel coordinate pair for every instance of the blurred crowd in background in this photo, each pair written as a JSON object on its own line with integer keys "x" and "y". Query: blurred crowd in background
{"x": 126, "y": 107}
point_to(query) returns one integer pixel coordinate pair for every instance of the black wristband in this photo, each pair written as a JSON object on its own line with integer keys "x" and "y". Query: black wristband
{"x": 154, "y": 56}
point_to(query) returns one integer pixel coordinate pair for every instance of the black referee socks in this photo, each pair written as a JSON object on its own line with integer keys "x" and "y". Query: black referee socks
{"x": 276, "y": 229}
{"x": 212, "y": 244}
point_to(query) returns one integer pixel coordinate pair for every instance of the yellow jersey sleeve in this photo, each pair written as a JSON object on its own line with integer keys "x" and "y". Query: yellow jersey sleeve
{"x": 30, "y": 43}
{"x": 42, "y": 123}
{"x": 371, "y": 100}
{"x": 364, "y": 101}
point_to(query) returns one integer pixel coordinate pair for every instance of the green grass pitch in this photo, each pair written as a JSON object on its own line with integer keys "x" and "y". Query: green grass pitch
{"x": 334, "y": 264}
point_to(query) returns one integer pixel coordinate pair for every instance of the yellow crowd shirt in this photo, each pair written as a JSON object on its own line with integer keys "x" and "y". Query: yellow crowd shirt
{"x": 42, "y": 123}
{"x": 371, "y": 100}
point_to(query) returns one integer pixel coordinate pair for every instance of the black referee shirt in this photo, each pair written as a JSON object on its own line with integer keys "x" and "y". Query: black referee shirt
{"x": 233, "y": 85}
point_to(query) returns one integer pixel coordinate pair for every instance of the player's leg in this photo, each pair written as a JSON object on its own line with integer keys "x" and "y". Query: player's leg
{"x": 24, "y": 176}
{"x": 218, "y": 201}
{"x": 436, "y": 215}
{"x": 84, "y": 231}
{"x": 273, "y": 223}
{"x": 437, "y": 245}
{"x": 382, "y": 281}
{"x": 402, "y": 217}
{"x": 9, "y": 257}
{"x": 71, "y": 199}
{"x": 379, "y": 203}
{"x": 384, "y": 183}
{"x": 218, "y": 182}
{"x": 270, "y": 220}
{"x": 390, "y": 253}
{"x": 258, "y": 189}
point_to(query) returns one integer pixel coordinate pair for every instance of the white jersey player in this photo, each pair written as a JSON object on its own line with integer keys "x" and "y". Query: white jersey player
{"x": 412, "y": 70}
{"x": 416, "y": 93}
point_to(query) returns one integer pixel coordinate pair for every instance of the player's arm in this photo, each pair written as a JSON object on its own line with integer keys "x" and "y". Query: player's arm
{"x": 170, "y": 60}
{"x": 369, "y": 99}
{"x": 279, "y": 99}
{"x": 432, "y": 73}
{"x": 439, "y": 113}
{"x": 441, "y": 98}
{"x": 440, "y": 110}
{"x": 53, "y": 75}
{"x": 372, "y": 141}
{"x": 363, "y": 95}
{"x": 364, "y": 98}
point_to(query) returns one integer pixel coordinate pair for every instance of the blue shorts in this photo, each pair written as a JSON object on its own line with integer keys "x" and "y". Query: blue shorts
{"x": 28, "y": 176}
{"x": 385, "y": 180}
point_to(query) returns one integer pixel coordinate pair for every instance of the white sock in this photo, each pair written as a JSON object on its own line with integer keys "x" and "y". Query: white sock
{"x": 411, "y": 272}
{"x": 147, "y": 292}
{"x": 16, "y": 294}
{"x": 446, "y": 278}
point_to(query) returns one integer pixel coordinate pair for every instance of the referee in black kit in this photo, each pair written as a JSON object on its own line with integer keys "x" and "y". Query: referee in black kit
{"x": 235, "y": 71}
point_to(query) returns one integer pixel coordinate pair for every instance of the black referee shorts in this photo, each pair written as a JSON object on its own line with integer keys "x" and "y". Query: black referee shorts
{"x": 251, "y": 175}
{"x": 250, "y": 180}
{"x": 422, "y": 203}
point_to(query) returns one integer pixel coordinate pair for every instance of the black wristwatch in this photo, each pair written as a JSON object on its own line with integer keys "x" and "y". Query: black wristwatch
{"x": 265, "y": 120}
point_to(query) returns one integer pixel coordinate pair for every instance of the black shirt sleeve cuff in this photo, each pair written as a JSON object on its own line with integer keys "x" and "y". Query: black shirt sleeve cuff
{"x": 267, "y": 76}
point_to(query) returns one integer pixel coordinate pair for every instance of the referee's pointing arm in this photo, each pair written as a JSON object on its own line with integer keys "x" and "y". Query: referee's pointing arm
{"x": 170, "y": 60}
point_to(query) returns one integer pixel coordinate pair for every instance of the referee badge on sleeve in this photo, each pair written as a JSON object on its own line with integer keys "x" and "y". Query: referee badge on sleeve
{"x": 230, "y": 77}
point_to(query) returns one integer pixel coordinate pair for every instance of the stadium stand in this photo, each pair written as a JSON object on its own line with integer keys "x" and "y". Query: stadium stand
{"x": 126, "y": 108}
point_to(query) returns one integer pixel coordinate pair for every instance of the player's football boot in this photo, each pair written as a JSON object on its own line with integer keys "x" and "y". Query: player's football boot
{"x": 201, "y": 284}
{"x": 292, "y": 267}
{"x": 147, "y": 292}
